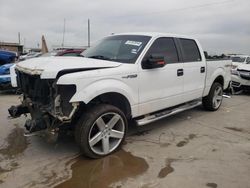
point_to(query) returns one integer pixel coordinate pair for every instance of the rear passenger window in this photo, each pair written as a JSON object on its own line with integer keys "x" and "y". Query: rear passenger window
{"x": 191, "y": 51}
{"x": 164, "y": 47}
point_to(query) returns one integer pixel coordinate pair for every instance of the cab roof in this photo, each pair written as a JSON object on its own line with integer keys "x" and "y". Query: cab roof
{"x": 156, "y": 34}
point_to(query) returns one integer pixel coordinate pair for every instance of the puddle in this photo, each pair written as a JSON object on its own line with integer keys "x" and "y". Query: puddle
{"x": 17, "y": 143}
{"x": 167, "y": 169}
{"x": 103, "y": 172}
{"x": 186, "y": 140}
{"x": 212, "y": 185}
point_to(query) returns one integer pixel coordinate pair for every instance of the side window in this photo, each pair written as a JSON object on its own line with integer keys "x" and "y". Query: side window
{"x": 248, "y": 60}
{"x": 164, "y": 47}
{"x": 191, "y": 51}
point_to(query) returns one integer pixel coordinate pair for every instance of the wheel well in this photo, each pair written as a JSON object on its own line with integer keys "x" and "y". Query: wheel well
{"x": 220, "y": 80}
{"x": 116, "y": 99}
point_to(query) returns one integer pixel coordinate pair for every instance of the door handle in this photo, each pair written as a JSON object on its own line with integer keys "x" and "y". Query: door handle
{"x": 203, "y": 69}
{"x": 180, "y": 72}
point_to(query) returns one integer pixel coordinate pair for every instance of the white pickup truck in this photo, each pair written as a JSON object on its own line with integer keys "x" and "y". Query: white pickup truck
{"x": 140, "y": 77}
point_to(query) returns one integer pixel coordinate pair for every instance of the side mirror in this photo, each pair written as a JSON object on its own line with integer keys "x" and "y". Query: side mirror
{"x": 153, "y": 61}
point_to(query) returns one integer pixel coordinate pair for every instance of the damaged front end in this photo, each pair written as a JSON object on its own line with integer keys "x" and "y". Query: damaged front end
{"x": 46, "y": 102}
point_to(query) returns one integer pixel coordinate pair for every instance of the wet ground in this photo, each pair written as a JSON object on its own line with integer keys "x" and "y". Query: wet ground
{"x": 192, "y": 149}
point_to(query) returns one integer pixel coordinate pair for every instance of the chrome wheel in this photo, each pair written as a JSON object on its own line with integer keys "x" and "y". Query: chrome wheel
{"x": 217, "y": 98}
{"x": 106, "y": 133}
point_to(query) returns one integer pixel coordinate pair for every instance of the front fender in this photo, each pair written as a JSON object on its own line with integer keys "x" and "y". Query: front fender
{"x": 105, "y": 86}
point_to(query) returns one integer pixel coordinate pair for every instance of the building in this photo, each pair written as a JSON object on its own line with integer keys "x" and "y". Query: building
{"x": 14, "y": 47}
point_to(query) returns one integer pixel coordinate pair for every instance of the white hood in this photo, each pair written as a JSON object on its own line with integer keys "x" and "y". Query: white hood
{"x": 244, "y": 67}
{"x": 49, "y": 67}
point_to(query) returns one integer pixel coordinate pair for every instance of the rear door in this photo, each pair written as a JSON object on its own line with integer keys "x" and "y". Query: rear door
{"x": 194, "y": 69}
{"x": 160, "y": 88}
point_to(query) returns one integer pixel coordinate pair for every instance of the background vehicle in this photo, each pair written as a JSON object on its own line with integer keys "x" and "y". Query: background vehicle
{"x": 7, "y": 57}
{"x": 64, "y": 52}
{"x": 30, "y": 55}
{"x": 139, "y": 77}
{"x": 240, "y": 59}
{"x": 7, "y": 60}
{"x": 241, "y": 72}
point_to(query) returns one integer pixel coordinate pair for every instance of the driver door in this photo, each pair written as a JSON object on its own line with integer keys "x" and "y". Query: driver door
{"x": 161, "y": 87}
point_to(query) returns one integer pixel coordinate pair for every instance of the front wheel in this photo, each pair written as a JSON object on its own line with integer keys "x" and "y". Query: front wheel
{"x": 213, "y": 101}
{"x": 101, "y": 131}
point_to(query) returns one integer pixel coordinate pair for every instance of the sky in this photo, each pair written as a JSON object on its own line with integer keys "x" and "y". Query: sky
{"x": 221, "y": 26}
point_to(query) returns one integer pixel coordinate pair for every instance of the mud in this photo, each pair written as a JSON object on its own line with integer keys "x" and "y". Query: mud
{"x": 103, "y": 172}
{"x": 167, "y": 169}
{"x": 182, "y": 143}
{"x": 186, "y": 140}
{"x": 165, "y": 144}
{"x": 3, "y": 170}
{"x": 17, "y": 143}
{"x": 212, "y": 185}
{"x": 235, "y": 129}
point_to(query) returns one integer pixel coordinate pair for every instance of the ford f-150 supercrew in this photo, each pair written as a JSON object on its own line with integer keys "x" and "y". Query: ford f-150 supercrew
{"x": 124, "y": 78}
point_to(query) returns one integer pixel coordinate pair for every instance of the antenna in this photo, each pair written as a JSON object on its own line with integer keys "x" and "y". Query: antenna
{"x": 64, "y": 20}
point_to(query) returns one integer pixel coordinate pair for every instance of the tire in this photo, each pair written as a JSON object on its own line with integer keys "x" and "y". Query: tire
{"x": 213, "y": 101}
{"x": 101, "y": 131}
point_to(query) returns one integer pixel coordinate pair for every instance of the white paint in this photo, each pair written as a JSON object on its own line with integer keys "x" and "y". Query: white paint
{"x": 150, "y": 90}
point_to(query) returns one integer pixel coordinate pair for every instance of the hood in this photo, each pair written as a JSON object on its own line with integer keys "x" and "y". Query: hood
{"x": 244, "y": 67}
{"x": 49, "y": 67}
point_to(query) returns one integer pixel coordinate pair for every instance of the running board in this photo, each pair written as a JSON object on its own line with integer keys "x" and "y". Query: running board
{"x": 160, "y": 115}
{"x": 226, "y": 96}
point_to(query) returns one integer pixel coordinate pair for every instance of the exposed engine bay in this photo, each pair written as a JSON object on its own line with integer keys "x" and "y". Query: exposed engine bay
{"x": 45, "y": 101}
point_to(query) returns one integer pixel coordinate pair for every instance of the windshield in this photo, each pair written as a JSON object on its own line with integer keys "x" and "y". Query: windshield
{"x": 120, "y": 48}
{"x": 238, "y": 59}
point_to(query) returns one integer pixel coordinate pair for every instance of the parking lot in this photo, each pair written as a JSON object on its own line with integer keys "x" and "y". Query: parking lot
{"x": 195, "y": 148}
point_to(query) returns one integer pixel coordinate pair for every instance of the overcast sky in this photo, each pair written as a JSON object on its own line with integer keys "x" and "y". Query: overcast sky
{"x": 220, "y": 25}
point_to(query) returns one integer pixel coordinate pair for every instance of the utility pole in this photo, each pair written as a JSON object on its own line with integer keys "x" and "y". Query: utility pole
{"x": 88, "y": 33}
{"x": 19, "y": 40}
{"x": 63, "y": 31}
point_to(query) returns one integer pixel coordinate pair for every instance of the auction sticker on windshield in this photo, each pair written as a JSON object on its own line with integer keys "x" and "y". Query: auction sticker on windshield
{"x": 134, "y": 43}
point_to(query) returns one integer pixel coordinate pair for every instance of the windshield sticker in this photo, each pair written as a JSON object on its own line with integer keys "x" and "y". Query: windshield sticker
{"x": 133, "y": 43}
{"x": 134, "y": 51}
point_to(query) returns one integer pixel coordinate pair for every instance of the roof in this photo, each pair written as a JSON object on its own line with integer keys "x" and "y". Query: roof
{"x": 240, "y": 55}
{"x": 9, "y": 44}
{"x": 156, "y": 34}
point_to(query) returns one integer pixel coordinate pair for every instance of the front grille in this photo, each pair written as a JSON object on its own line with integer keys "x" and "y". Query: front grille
{"x": 244, "y": 74}
{"x": 38, "y": 90}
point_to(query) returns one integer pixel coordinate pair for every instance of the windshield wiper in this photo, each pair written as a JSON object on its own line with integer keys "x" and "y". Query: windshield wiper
{"x": 99, "y": 57}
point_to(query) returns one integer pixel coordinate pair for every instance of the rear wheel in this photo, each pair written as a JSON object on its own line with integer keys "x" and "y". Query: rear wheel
{"x": 101, "y": 131}
{"x": 213, "y": 101}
